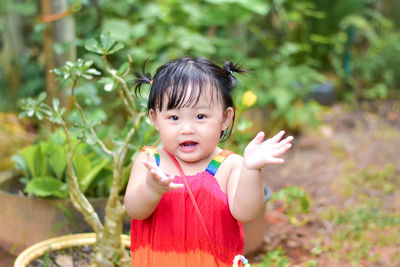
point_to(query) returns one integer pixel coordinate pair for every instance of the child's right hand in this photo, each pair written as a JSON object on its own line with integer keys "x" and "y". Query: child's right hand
{"x": 157, "y": 179}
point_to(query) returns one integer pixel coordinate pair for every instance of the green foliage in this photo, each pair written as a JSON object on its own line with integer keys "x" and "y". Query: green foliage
{"x": 296, "y": 201}
{"x": 361, "y": 184}
{"x": 73, "y": 71}
{"x": 381, "y": 75}
{"x": 43, "y": 166}
{"x": 285, "y": 89}
{"x": 265, "y": 35}
{"x": 219, "y": 30}
{"x": 361, "y": 228}
{"x": 86, "y": 125}
{"x": 35, "y": 107}
{"x": 275, "y": 258}
{"x": 107, "y": 45}
{"x": 368, "y": 223}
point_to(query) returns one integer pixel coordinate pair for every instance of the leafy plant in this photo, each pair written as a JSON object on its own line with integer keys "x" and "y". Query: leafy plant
{"x": 288, "y": 88}
{"x": 380, "y": 77}
{"x": 108, "y": 248}
{"x": 44, "y": 165}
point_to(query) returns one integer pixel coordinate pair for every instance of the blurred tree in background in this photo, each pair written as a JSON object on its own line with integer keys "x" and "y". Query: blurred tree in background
{"x": 292, "y": 47}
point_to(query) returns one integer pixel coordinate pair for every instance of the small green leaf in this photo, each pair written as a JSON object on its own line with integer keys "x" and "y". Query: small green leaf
{"x": 42, "y": 96}
{"x": 35, "y": 158}
{"x": 58, "y": 160}
{"x": 106, "y": 41}
{"x": 93, "y": 71}
{"x": 46, "y": 186}
{"x": 82, "y": 165}
{"x": 93, "y": 46}
{"x": 56, "y": 104}
{"x": 20, "y": 165}
{"x": 86, "y": 180}
{"x": 117, "y": 47}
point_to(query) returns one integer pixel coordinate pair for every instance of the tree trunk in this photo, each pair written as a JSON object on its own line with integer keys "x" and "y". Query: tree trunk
{"x": 48, "y": 40}
{"x": 64, "y": 35}
{"x": 12, "y": 52}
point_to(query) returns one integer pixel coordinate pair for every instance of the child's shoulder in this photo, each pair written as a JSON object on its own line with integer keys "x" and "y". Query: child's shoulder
{"x": 233, "y": 161}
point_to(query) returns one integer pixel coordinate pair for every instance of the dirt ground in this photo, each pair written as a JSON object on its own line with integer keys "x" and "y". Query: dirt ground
{"x": 367, "y": 136}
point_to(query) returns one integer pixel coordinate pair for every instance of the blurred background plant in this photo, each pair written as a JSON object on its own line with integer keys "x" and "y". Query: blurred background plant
{"x": 291, "y": 46}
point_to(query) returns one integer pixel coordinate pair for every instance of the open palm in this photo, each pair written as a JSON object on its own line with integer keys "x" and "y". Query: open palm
{"x": 258, "y": 152}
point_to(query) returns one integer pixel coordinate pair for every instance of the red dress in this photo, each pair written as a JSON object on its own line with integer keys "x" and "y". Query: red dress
{"x": 174, "y": 234}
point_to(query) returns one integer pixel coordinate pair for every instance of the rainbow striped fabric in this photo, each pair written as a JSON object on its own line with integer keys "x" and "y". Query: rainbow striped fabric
{"x": 216, "y": 162}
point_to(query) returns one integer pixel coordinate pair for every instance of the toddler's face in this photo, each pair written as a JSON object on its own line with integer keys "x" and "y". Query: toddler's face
{"x": 192, "y": 133}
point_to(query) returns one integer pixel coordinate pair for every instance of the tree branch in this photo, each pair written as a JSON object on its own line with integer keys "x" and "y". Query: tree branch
{"x": 92, "y": 131}
{"x": 124, "y": 85}
{"x": 78, "y": 199}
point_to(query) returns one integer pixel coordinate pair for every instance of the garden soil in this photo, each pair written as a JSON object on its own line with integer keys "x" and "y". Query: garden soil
{"x": 366, "y": 136}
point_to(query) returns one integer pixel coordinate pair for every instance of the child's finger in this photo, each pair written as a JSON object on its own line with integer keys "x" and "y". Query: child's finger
{"x": 150, "y": 155}
{"x": 281, "y": 150}
{"x": 277, "y": 137}
{"x": 168, "y": 181}
{"x": 276, "y": 161}
{"x": 259, "y": 138}
{"x": 149, "y": 165}
{"x": 155, "y": 171}
{"x": 175, "y": 186}
{"x": 285, "y": 141}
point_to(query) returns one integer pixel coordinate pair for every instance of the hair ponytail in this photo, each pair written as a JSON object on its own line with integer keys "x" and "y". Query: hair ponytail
{"x": 142, "y": 78}
{"x": 230, "y": 67}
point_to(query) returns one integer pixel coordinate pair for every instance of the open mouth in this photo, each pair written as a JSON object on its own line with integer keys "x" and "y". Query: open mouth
{"x": 188, "y": 146}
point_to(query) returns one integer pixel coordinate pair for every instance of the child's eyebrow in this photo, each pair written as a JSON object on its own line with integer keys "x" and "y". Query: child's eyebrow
{"x": 202, "y": 106}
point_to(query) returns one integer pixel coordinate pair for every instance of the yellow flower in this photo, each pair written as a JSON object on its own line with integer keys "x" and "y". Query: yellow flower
{"x": 249, "y": 98}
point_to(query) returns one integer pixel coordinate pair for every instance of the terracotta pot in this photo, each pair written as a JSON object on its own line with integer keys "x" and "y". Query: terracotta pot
{"x": 39, "y": 249}
{"x": 25, "y": 221}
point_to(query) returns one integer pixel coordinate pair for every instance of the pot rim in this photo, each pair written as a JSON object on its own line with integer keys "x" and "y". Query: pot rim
{"x": 57, "y": 243}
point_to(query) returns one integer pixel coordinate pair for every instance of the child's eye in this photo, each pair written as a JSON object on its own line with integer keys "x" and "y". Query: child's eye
{"x": 173, "y": 117}
{"x": 201, "y": 116}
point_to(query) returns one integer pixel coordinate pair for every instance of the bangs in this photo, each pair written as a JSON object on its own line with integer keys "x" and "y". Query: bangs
{"x": 184, "y": 89}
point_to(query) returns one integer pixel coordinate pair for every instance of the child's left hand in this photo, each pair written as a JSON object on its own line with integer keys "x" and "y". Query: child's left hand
{"x": 258, "y": 152}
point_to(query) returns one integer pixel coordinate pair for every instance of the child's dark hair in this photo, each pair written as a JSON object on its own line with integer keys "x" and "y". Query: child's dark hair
{"x": 172, "y": 79}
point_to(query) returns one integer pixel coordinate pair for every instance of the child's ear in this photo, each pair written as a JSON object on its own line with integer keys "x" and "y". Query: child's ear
{"x": 153, "y": 117}
{"x": 228, "y": 116}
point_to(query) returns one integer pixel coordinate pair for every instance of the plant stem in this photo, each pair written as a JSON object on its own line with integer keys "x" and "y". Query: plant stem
{"x": 92, "y": 131}
{"x": 78, "y": 199}
{"x": 124, "y": 85}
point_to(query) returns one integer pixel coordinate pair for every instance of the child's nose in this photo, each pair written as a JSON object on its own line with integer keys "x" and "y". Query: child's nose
{"x": 187, "y": 128}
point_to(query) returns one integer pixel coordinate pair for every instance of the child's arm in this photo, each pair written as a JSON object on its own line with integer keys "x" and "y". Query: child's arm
{"x": 245, "y": 185}
{"x": 147, "y": 183}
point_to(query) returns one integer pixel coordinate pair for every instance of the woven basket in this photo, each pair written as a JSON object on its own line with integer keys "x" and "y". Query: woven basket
{"x": 57, "y": 243}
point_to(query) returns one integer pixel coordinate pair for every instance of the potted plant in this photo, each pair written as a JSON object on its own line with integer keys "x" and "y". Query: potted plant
{"x": 79, "y": 127}
{"x": 39, "y": 191}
